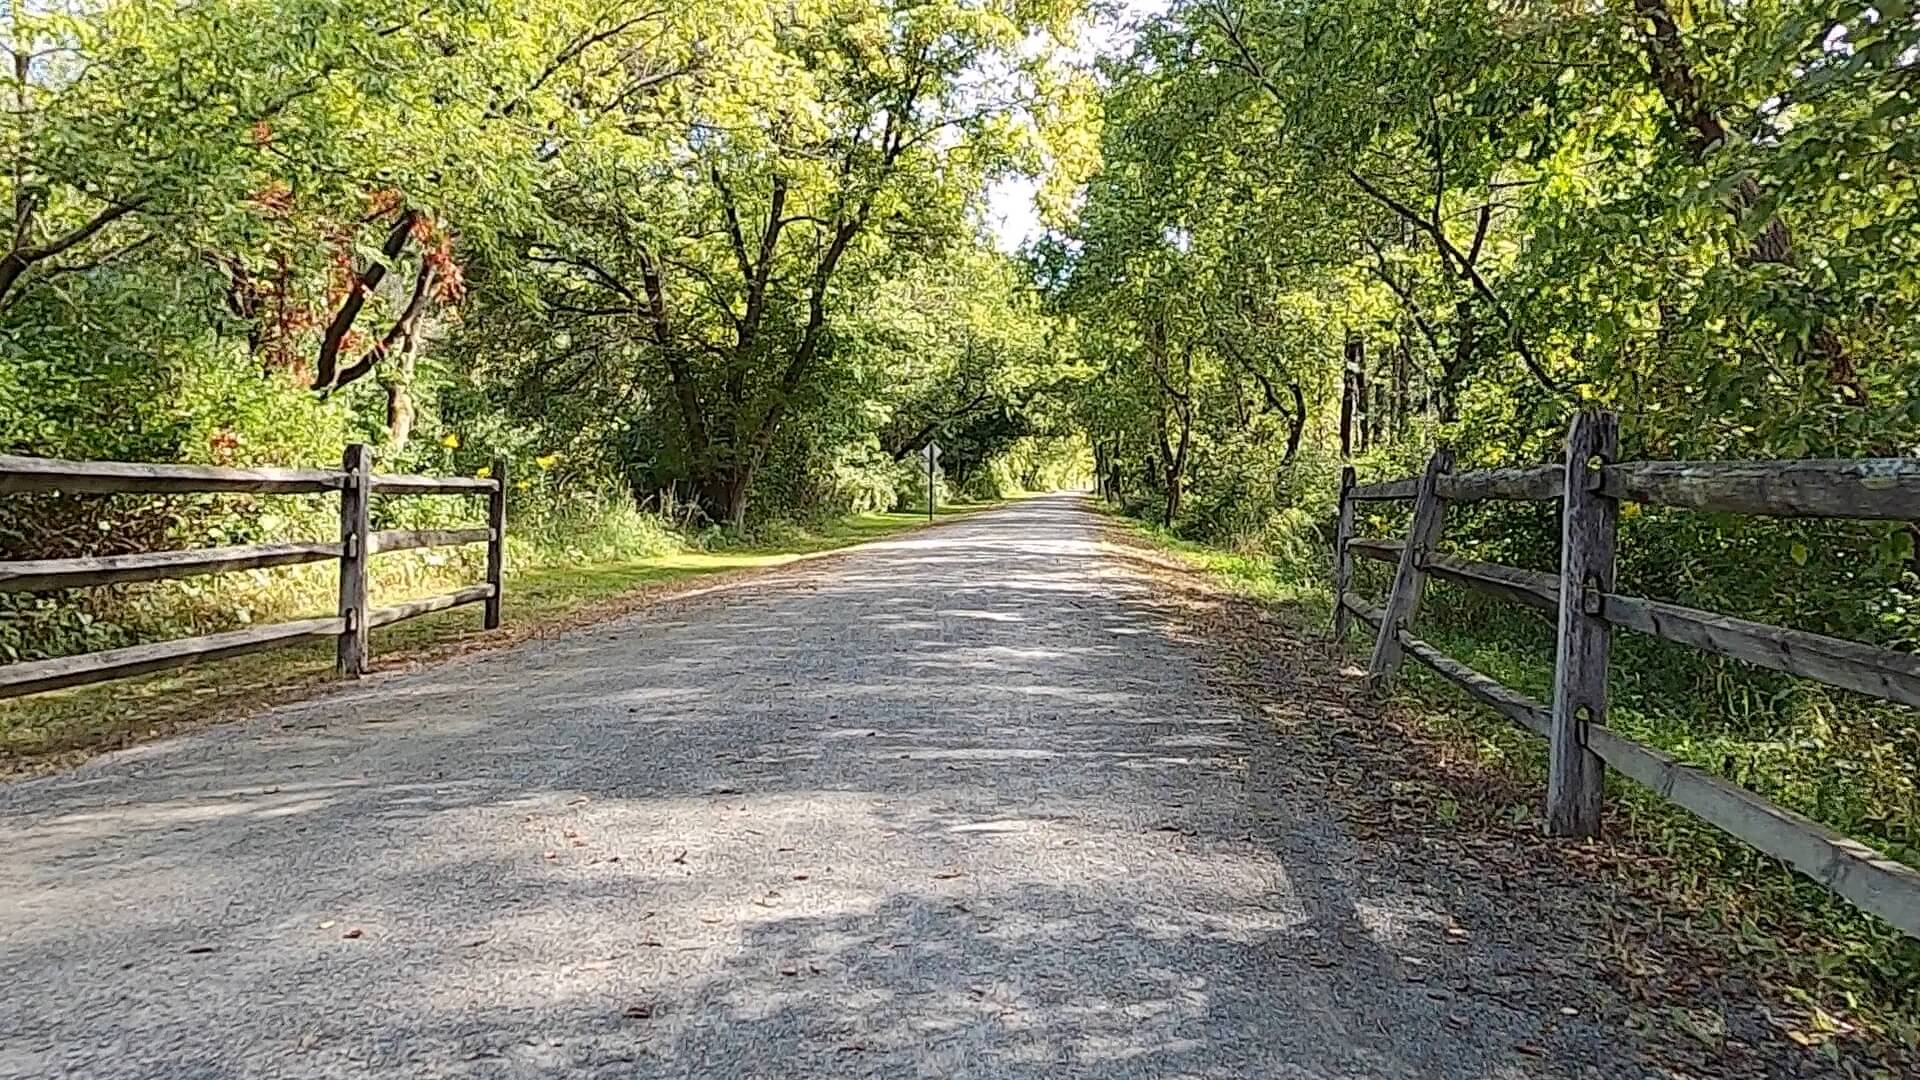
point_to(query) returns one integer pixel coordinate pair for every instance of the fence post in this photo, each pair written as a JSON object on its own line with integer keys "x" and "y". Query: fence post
{"x": 356, "y": 505}
{"x": 1576, "y": 777}
{"x": 1342, "y": 560}
{"x": 497, "y": 544}
{"x": 1409, "y": 581}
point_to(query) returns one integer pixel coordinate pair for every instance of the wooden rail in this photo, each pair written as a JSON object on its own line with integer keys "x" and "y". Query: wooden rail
{"x": 386, "y": 616}
{"x": 36, "y": 575}
{"x": 1512, "y": 704}
{"x": 435, "y": 485}
{"x": 348, "y": 626}
{"x": 1530, "y": 484}
{"x": 1885, "y": 488}
{"x": 1581, "y": 743}
{"x": 1398, "y": 489}
{"x": 126, "y": 477}
{"x": 407, "y": 539}
{"x": 33, "y": 676}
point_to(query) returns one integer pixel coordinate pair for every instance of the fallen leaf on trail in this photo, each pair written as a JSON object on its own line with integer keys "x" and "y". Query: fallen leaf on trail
{"x": 642, "y": 1011}
{"x": 352, "y": 932}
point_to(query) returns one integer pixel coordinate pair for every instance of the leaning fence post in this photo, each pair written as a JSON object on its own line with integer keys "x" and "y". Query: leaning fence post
{"x": 497, "y": 543}
{"x": 1575, "y": 777}
{"x": 356, "y": 505}
{"x": 1409, "y": 581}
{"x": 1342, "y": 559}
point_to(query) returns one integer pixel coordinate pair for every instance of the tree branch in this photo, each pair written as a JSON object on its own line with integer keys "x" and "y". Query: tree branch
{"x": 401, "y": 333}
{"x": 20, "y": 259}
{"x": 1456, "y": 257}
{"x": 363, "y": 284}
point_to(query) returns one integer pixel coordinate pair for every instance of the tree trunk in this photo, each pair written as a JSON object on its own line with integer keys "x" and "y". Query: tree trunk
{"x": 723, "y": 494}
{"x": 1174, "y": 463}
{"x": 400, "y": 412}
{"x": 1356, "y": 414}
{"x": 1346, "y": 408}
{"x": 1296, "y": 423}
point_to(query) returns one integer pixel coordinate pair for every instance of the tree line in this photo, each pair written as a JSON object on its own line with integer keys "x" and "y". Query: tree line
{"x": 714, "y": 251}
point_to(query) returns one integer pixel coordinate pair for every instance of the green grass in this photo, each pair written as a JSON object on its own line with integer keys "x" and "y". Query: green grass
{"x": 547, "y": 586}
{"x": 1297, "y": 592}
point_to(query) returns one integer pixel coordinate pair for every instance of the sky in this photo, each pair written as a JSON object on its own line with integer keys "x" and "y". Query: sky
{"x": 1012, "y": 214}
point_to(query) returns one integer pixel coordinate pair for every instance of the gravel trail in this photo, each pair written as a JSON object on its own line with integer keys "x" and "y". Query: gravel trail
{"x": 949, "y": 805}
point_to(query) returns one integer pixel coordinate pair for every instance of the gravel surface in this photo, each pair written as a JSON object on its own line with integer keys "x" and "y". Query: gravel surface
{"x": 955, "y": 804}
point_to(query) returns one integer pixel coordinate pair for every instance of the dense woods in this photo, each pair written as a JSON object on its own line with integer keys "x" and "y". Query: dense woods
{"x": 715, "y": 264}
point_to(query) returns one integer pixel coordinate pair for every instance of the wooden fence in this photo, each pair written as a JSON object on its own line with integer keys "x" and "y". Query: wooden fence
{"x": 353, "y": 619}
{"x": 1590, "y": 485}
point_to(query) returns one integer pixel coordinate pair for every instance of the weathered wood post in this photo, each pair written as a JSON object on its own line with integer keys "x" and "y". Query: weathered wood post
{"x": 1410, "y": 580}
{"x": 356, "y": 517}
{"x": 497, "y": 543}
{"x": 1342, "y": 559}
{"x": 1588, "y": 519}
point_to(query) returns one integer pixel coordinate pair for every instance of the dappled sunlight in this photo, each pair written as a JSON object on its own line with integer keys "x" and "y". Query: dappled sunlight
{"x": 918, "y": 812}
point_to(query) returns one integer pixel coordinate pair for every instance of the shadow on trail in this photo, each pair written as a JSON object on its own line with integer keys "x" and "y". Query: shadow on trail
{"x": 955, "y": 804}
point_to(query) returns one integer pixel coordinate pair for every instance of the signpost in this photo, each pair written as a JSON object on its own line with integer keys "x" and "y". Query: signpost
{"x": 932, "y": 453}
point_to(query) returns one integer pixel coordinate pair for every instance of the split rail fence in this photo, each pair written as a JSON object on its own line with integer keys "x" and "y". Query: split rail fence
{"x": 354, "y": 618}
{"x": 1590, "y": 486}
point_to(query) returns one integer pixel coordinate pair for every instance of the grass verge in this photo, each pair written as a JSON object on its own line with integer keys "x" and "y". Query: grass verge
{"x": 1850, "y": 978}
{"x": 51, "y": 731}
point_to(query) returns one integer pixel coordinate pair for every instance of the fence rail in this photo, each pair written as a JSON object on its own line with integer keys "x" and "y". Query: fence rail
{"x": 1590, "y": 487}
{"x": 348, "y": 626}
